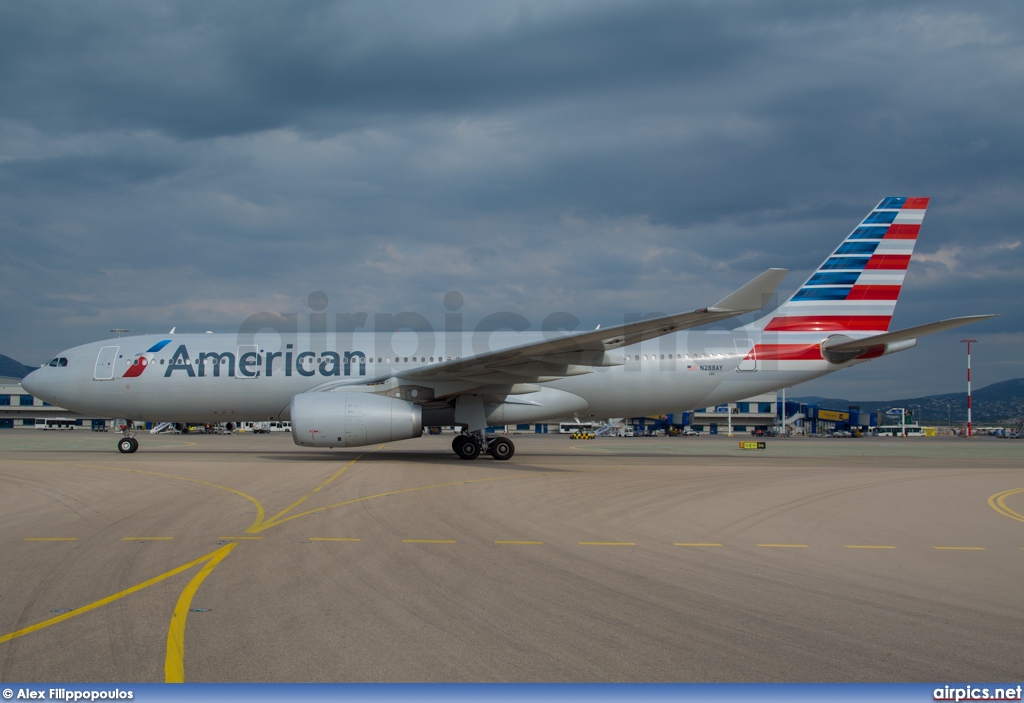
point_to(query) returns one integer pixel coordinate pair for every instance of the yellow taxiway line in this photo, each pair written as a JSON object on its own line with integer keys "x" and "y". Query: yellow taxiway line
{"x": 174, "y": 661}
{"x": 110, "y": 599}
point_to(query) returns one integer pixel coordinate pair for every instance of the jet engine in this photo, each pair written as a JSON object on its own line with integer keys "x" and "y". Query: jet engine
{"x": 339, "y": 419}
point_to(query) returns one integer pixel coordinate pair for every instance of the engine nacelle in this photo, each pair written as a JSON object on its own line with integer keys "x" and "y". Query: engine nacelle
{"x": 352, "y": 419}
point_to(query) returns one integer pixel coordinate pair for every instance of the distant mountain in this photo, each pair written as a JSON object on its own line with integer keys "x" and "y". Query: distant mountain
{"x": 10, "y": 368}
{"x": 998, "y": 403}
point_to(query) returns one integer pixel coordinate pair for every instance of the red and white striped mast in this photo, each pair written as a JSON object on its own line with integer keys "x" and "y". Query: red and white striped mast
{"x": 969, "y": 342}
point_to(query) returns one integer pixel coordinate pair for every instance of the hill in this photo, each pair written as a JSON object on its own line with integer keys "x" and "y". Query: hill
{"x": 9, "y": 368}
{"x": 998, "y": 403}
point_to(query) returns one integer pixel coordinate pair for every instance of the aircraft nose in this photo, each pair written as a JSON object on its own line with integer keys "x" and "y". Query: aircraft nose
{"x": 35, "y": 383}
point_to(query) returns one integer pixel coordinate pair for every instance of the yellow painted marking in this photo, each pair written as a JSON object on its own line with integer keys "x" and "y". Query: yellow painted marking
{"x": 869, "y": 546}
{"x": 109, "y": 599}
{"x": 379, "y": 495}
{"x": 514, "y": 541}
{"x": 428, "y": 541}
{"x": 257, "y": 527}
{"x": 998, "y": 503}
{"x": 792, "y": 546}
{"x": 333, "y": 539}
{"x": 962, "y": 549}
{"x": 608, "y": 544}
{"x": 174, "y": 661}
{"x": 174, "y": 667}
{"x": 134, "y": 539}
{"x": 259, "y": 506}
{"x": 50, "y": 539}
{"x": 696, "y": 544}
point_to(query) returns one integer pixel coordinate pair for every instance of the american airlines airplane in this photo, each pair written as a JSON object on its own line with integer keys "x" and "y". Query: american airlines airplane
{"x": 356, "y": 390}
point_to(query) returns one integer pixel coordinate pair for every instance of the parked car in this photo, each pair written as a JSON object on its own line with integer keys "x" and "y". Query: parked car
{"x": 690, "y": 433}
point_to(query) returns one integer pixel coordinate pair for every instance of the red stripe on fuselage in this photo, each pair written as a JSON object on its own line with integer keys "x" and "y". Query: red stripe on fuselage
{"x": 786, "y": 352}
{"x": 831, "y": 323}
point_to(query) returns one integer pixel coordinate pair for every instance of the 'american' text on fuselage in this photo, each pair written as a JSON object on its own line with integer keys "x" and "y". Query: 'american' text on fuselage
{"x": 250, "y": 363}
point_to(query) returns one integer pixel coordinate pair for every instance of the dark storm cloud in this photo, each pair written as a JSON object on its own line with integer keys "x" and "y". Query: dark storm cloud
{"x": 189, "y": 164}
{"x": 79, "y": 172}
{"x": 196, "y": 70}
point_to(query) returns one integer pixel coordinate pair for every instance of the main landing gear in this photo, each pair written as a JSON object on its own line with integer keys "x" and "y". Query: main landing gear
{"x": 469, "y": 446}
{"x": 127, "y": 444}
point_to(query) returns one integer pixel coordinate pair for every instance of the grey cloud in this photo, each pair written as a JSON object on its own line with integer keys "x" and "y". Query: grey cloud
{"x": 190, "y": 164}
{"x": 196, "y": 71}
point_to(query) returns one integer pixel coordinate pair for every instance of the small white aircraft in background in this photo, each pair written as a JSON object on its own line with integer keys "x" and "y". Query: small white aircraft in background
{"x": 356, "y": 390}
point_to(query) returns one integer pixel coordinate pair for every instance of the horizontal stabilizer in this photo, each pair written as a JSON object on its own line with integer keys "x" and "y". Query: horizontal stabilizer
{"x": 906, "y": 334}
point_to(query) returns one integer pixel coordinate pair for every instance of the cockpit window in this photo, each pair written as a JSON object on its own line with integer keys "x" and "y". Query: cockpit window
{"x": 53, "y": 362}
{"x": 62, "y": 361}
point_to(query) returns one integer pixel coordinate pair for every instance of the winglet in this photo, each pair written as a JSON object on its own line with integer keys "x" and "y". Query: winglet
{"x": 754, "y": 295}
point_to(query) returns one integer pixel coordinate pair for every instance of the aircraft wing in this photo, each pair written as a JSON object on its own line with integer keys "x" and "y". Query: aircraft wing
{"x": 579, "y": 352}
{"x": 568, "y": 355}
{"x": 852, "y": 349}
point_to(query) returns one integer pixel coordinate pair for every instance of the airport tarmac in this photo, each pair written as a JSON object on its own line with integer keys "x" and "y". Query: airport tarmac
{"x": 246, "y": 558}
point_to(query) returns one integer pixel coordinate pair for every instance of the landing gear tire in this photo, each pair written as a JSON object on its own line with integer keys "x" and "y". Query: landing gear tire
{"x": 127, "y": 445}
{"x": 466, "y": 447}
{"x": 501, "y": 449}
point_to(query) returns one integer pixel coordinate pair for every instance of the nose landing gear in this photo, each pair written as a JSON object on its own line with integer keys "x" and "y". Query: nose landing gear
{"x": 127, "y": 444}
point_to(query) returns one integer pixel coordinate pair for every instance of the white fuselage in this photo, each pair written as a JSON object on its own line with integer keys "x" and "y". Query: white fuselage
{"x": 217, "y": 378}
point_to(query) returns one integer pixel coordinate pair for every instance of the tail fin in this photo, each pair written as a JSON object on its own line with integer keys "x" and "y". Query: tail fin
{"x": 855, "y": 289}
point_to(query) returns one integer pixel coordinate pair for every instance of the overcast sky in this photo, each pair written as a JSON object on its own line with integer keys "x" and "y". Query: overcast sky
{"x": 188, "y": 164}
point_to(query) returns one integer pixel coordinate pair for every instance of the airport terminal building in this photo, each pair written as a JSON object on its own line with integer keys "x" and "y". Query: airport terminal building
{"x": 761, "y": 413}
{"x": 18, "y": 408}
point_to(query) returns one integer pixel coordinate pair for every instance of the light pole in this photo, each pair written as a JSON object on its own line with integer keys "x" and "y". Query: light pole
{"x": 782, "y": 415}
{"x": 969, "y": 342}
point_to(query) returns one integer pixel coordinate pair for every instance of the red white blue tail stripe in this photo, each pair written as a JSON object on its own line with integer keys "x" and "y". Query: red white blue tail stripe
{"x": 854, "y": 291}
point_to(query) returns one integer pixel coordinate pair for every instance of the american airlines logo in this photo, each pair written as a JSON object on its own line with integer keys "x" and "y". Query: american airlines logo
{"x": 142, "y": 361}
{"x": 251, "y": 364}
